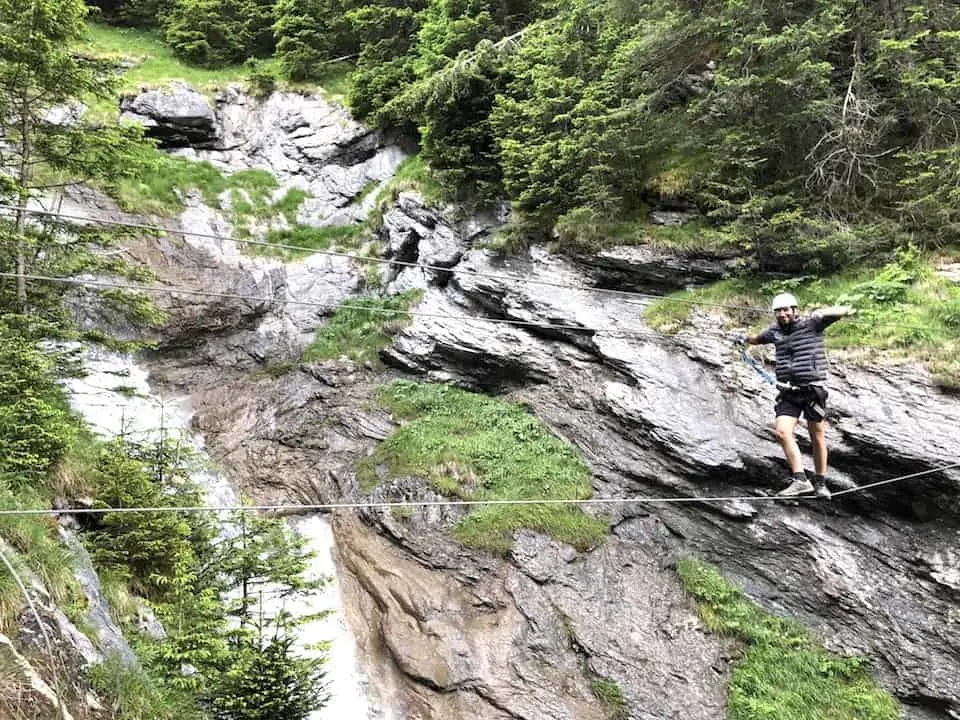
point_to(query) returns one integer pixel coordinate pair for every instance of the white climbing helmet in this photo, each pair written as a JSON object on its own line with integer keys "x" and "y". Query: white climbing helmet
{"x": 784, "y": 300}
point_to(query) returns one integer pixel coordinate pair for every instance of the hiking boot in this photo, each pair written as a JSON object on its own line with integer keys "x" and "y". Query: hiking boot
{"x": 799, "y": 486}
{"x": 820, "y": 485}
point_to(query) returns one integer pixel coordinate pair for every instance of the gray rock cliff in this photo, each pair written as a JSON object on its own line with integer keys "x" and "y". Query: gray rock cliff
{"x": 873, "y": 573}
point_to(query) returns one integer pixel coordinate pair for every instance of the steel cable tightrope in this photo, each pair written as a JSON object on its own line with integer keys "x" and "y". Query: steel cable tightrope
{"x": 386, "y": 504}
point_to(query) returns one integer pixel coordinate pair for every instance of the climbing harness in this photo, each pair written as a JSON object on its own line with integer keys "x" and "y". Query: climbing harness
{"x": 805, "y": 390}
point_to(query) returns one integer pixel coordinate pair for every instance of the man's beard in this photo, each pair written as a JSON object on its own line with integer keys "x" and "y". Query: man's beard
{"x": 784, "y": 322}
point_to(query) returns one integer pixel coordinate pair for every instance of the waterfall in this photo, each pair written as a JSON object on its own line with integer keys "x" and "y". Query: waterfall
{"x": 115, "y": 398}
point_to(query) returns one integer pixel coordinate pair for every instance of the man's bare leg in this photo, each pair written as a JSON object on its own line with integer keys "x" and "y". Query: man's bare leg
{"x": 784, "y": 429}
{"x": 786, "y": 424}
{"x": 818, "y": 438}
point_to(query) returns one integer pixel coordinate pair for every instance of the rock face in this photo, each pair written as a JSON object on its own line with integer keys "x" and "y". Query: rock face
{"x": 528, "y": 638}
{"x": 46, "y": 663}
{"x": 459, "y": 634}
{"x": 680, "y": 415}
{"x": 465, "y": 635}
{"x": 178, "y": 116}
{"x": 304, "y": 141}
{"x": 646, "y": 269}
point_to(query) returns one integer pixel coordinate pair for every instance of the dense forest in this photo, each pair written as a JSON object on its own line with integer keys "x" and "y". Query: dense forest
{"x": 809, "y": 135}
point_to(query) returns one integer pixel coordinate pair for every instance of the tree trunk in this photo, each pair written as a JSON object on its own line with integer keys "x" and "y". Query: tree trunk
{"x": 23, "y": 197}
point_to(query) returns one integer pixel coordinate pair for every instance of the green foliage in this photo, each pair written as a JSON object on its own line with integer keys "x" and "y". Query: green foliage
{"x": 35, "y": 426}
{"x": 129, "y": 693}
{"x": 782, "y": 674}
{"x": 263, "y": 553}
{"x": 239, "y": 649}
{"x": 147, "y": 548}
{"x": 133, "y": 13}
{"x": 306, "y": 32}
{"x": 219, "y": 33}
{"x": 261, "y": 77}
{"x": 412, "y": 174}
{"x": 271, "y": 684}
{"x": 154, "y": 62}
{"x": 38, "y": 551}
{"x": 811, "y": 135}
{"x": 361, "y": 328}
{"x": 904, "y": 308}
{"x": 160, "y": 179}
{"x": 611, "y": 697}
{"x": 39, "y": 77}
{"x": 475, "y": 447}
{"x": 339, "y": 237}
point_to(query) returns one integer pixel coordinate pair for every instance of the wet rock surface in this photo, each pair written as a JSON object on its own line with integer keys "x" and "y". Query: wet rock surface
{"x": 466, "y": 635}
{"x": 872, "y": 573}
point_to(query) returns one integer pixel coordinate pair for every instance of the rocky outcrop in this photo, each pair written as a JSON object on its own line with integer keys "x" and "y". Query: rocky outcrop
{"x": 108, "y": 637}
{"x": 28, "y": 688}
{"x": 872, "y": 573}
{"x": 665, "y": 416}
{"x": 466, "y": 635}
{"x": 217, "y": 301}
{"x": 177, "y": 116}
{"x": 304, "y": 141}
{"x": 46, "y": 663}
{"x": 529, "y": 638}
{"x": 647, "y": 269}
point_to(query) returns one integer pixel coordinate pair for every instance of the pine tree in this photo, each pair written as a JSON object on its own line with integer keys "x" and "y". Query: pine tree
{"x": 45, "y": 147}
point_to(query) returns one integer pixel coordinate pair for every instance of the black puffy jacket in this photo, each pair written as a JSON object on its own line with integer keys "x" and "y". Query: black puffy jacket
{"x": 801, "y": 356}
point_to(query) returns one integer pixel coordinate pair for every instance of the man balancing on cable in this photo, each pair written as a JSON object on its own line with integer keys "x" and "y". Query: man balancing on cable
{"x": 801, "y": 377}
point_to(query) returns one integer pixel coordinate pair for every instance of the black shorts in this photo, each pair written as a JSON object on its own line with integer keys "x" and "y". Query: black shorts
{"x": 811, "y": 402}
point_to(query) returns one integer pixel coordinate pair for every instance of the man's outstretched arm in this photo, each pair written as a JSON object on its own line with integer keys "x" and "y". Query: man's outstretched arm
{"x": 834, "y": 312}
{"x": 829, "y": 315}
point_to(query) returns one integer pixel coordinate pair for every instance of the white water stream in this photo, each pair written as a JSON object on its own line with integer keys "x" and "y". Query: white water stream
{"x": 115, "y": 397}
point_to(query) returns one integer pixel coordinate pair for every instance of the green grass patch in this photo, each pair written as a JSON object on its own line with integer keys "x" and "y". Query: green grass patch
{"x": 611, "y": 698}
{"x": 311, "y": 239}
{"x": 161, "y": 176}
{"x": 39, "y": 550}
{"x": 289, "y": 204}
{"x": 782, "y": 673}
{"x": 476, "y": 447}
{"x": 412, "y": 174}
{"x": 155, "y": 61}
{"x": 337, "y": 80}
{"x": 672, "y": 312}
{"x": 585, "y": 230}
{"x": 154, "y": 64}
{"x": 361, "y": 328}
{"x": 131, "y": 694}
{"x": 904, "y": 309}
{"x": 277, "y": 368}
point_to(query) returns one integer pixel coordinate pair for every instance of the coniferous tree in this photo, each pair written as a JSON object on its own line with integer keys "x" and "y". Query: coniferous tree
{"x": 46, "y": 146}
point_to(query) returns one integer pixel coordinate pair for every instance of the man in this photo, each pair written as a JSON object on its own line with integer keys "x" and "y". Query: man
{"x": 802, "y": 376}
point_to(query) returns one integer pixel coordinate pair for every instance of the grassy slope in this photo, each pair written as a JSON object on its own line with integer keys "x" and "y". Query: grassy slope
{"x": 361, "y": 328}
{"x": 904, "y": 309}
{"x": 155, "y": 61}
{"x": 476, "y": 447}
{"x": 782, "y": 673}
